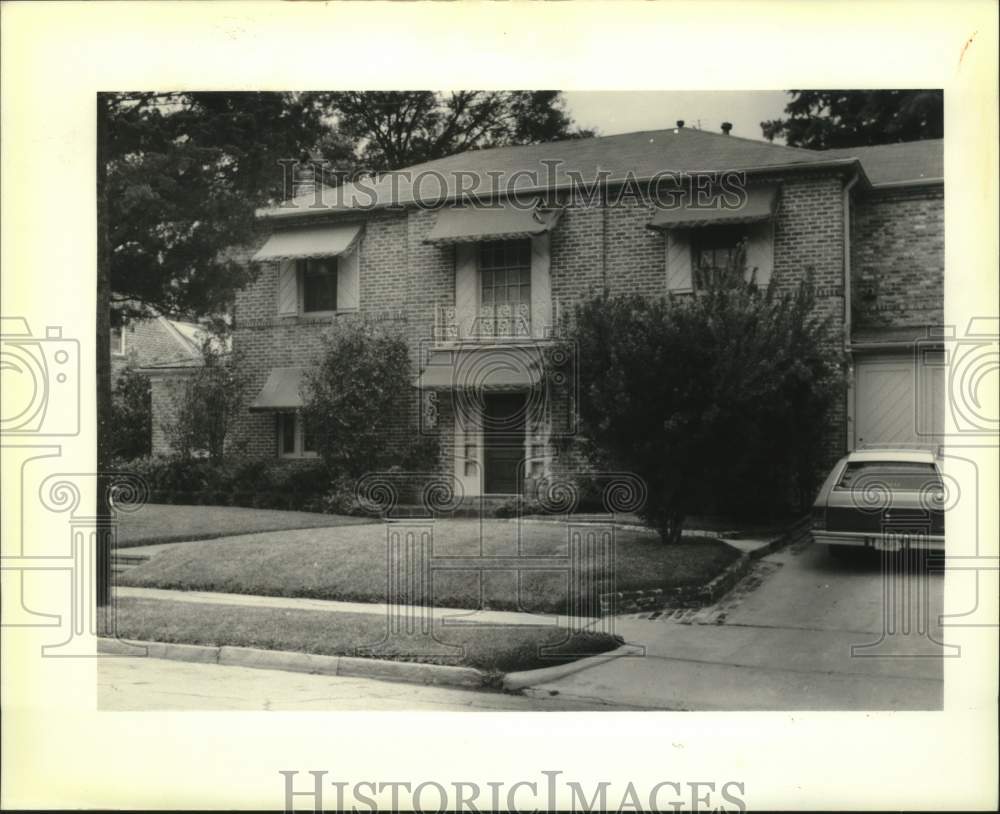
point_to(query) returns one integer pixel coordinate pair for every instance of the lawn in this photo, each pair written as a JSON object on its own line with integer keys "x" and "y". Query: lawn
{"x": 349, "y": 563}
{"x": 491, "y": 649}
{"x": 158, "y": 523}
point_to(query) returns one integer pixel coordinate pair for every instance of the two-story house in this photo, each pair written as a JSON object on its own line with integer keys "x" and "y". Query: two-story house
{"x": 478, "y": 289}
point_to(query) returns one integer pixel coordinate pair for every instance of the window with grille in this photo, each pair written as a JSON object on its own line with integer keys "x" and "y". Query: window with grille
{"x": 319, "y": 284}
{"x": 718, "y": 253}
{"x": 505, "y": 288}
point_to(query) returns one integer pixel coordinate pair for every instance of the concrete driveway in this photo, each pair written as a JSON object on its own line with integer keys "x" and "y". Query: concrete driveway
{"x": 802, "y": 631}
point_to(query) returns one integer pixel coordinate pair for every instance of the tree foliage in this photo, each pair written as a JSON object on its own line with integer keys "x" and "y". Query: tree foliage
{"x": 715, "y": 400}
{"x": 359, "y": 401}
{"x": 132, "y": 415}
{"x": 395, "y": 129}
{"x": 821, "y": 119}
{"x": 184, "y": 173}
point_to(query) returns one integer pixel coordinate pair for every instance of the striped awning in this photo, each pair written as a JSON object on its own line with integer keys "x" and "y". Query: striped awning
{"x": 504, "y": 223}
{"x": 316, "y": 241}
{"x": 493, "y": 368}
{"x": 760, "y": 204}
{"x": 281, "y": 391}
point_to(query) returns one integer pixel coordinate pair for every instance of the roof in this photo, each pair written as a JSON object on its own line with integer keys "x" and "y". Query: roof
{"x": 904, "y": 163}
{"x": 645, "y": 154}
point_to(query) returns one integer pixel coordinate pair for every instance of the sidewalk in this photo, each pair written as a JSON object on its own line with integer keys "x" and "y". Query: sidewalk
{"x": 449, "y": 616}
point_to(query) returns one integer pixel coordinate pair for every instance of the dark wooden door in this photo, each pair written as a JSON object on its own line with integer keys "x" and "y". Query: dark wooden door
{"x": 503, "y": 441}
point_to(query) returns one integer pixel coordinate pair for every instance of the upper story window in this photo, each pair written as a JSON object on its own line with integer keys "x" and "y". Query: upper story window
{"x": 319, "y": 284}
{"x": 717, "y": 252}
{"x": 118, "y": 341}
{"x": 505, "y": 288}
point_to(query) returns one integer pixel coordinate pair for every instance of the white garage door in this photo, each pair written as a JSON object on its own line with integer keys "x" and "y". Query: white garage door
{"x": 899, "y": 399}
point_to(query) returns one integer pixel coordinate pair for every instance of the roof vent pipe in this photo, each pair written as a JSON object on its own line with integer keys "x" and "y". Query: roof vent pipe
{"x": 726, "y": 127}
{"x": 680, "y": 122}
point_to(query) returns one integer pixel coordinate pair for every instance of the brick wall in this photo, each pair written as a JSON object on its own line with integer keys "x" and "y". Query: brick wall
{"x": 897, "y": 258}
{"x": 592, "y": 247}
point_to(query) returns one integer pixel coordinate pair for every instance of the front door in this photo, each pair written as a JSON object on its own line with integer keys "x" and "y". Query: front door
{"x": 503, "y": 442}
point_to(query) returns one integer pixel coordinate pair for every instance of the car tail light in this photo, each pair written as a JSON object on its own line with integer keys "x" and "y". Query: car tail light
{"x": 819, "y": 517}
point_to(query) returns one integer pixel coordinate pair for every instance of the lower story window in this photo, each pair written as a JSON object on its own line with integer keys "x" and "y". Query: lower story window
{"x": 294, "y": 438}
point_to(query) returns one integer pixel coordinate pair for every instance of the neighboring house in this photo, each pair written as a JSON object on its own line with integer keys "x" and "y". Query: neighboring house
{"x": 478, "y": 291}
{"x": 152, "y": 342}
{"x": 165, "y": 350}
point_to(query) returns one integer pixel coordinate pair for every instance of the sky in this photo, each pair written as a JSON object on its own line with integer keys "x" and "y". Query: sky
{"x": 612, "y": 112}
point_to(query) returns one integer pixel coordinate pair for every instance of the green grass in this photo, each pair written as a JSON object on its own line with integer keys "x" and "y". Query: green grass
{"x": 492, "y": 649}
{"x": 159, "y": 523}
{"x": 349, "y": 563}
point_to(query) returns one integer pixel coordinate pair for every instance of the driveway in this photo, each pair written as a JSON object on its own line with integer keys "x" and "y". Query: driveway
{"x": 802, "y": 631}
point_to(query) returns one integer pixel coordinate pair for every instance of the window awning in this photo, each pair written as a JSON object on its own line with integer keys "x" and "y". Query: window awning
{"x": 471, "y": 224}
{"x": 280, "y": 391}
{"x": 492, "y": 368}
{"x": 299, "y": 244}
{"x": 760, "y": 205}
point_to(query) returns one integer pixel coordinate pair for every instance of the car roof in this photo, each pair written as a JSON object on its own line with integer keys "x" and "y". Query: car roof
{"x": 892, "y": 455}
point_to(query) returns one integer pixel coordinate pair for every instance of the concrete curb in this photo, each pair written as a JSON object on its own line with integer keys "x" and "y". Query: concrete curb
{"x": 288, "y": 661}
{"x": 792, "y": 534}
{"x": 515, "y": 682}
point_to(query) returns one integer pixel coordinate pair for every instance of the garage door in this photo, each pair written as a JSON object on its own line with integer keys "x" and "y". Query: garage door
{"x": 899, "y": 399}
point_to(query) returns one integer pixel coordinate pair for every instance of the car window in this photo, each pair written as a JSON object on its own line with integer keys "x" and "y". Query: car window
{"x": 908, "y": 476}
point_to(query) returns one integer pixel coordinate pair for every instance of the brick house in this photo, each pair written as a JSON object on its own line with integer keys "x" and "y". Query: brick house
{"x": 478, "y": 290}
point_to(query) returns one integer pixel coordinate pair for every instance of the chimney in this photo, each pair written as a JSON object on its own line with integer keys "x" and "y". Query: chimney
{"x": 726, "y": 127}
{"x": 304, "y": 177}
{"x": 680, "y": 122}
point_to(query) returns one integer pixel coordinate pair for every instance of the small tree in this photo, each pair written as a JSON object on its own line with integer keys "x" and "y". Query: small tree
{"x": 210, "y": 400}
{"x": 704, "y": 395}
{"x": 360, "y": 401}
{"x": 132, "y": 415}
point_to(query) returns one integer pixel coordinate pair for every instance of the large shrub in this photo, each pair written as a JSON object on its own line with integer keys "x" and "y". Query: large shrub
{"x": 132, "y": 415}
{"x": 717, "y": 400}
{"x": 360, "y": 402}
{"x": 210, "y": 400}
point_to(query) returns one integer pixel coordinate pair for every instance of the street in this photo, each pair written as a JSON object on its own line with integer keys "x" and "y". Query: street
{"x": 801, "y": 631}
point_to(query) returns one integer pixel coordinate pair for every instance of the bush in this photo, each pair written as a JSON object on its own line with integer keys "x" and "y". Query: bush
{"x": 212, "y": 397}
{"x": 360, "y": 404}
{"x": 716, "y": 400}
{"x": 261, "y": 483}
{"x": 132, "y": 415}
